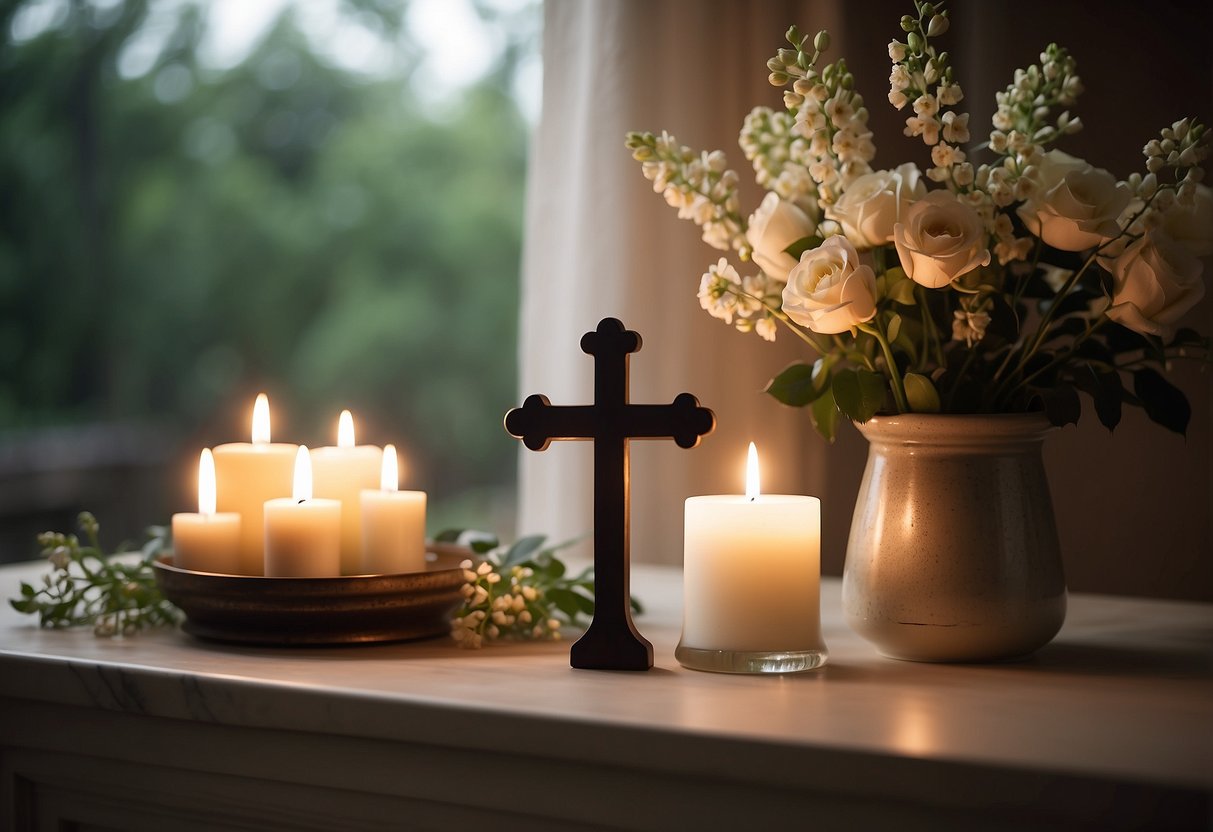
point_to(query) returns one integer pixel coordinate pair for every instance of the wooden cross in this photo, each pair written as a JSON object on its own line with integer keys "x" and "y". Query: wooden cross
{"x": 612, "y": 641}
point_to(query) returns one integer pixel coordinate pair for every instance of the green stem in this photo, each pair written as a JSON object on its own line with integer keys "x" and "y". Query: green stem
{"x": 964, "y": 368}
{"x": 783, "y": 318}
{"x": 899, "y": 390}
{"x": 1061, "y": 358}
{"x": 1042, "y": 329}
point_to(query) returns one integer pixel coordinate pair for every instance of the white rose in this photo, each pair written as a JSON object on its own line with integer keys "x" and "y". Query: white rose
{"x": 1079, "y": 211}
{"x": 939, "y": 240}
{"x": 1053, "y": 167}
{"x": 873, "y": 203}
{"x": 1193, "y": 226}
{"x": 773, "y": 227}
{"x": 830, "y": 291}
{"x": 1154, "y": 282}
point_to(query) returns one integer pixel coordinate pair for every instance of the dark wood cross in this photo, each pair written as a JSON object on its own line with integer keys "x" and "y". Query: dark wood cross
{"x": 612, "y": 641}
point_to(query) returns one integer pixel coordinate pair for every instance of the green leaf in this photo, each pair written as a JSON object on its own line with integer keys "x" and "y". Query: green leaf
{"x": 1105, "y": 389}
{"x": 794, "y": 386}
{"x": 1164, "y": 402}
{"x": 568, "y": 602}
{"x": 858, "y": 393}
{"x": 824, "y": 415}
{"x": 899, "y": 288}
{"x": 448, "y": 535}
{"x": 1186, "y": 337}
{"x": 894, "y": 327}
{"x": 803, "y": 244}
{"x": 1061, "y": 404}
{"x": 921, "y": 393}
{"x": 522, "y": 549}
{"x": 21, "y": 604}
{"x": 1094, "y": 349}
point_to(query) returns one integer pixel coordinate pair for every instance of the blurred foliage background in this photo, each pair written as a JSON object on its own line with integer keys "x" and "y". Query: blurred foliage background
{"x": 333, "y": 216}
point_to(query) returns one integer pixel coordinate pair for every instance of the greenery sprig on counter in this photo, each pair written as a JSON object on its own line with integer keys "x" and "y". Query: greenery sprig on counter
{"x": 88, "y": 587}
{"x": 521, "y": 591}
{"x": 517, "y": 591}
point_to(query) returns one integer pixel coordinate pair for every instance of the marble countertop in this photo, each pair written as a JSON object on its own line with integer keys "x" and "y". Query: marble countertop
{"x": 1123, "y": 695}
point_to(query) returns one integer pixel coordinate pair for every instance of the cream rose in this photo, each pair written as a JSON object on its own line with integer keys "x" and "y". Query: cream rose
{"x": 1053, "y": 166}
{"x": 939, "y": 240}
{"x": 829, "y": 290}
{"x": 873, "y": 204}
{"x": 1154, "y": 282}
{"x": 772, "y": 228}
{"x": 1079, "y": 211}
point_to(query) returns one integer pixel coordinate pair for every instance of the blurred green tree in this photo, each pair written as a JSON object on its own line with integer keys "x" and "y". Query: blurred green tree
{"x": 173, "y": 242}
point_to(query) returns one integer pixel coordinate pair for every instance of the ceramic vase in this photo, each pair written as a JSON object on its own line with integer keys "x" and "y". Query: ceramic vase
{"x": 953, "y": 553}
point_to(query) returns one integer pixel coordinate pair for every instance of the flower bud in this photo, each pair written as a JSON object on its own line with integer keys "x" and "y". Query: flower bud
{"x": 788, "y": 56}
{"x": 822, "y": 42}
{"x": 915, "y": 42}
{"x": 792, "y": 100}
{"x": 937, "y": 26}
{"x": 775, "y": 65}
{"x": 778, "y": 79}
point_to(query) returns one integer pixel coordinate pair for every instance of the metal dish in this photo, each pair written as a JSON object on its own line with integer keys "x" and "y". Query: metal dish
{"x": 358, "y": 609}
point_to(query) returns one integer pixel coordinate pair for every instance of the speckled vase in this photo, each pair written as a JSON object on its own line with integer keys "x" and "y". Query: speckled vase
{"x": 953, "y": 552}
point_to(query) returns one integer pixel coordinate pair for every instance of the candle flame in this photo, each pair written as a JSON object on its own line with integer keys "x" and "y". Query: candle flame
{"x": 303, "y": 476}
{"x": 206, "y": 483}
{"x": 261, "y": 420}
{"x": 345, "y": 430}
{"x": 751, "y": 473}
{"x": 389, "y": 476}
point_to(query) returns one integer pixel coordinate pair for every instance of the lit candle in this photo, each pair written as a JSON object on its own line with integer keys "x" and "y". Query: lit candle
{"x": 249, "y": 474}
{"x": 752, "y": 579}
{"x": 302, "y": 533}
{"x": 207, "y": 541}
{"x": 393, "y": 524}
{"x": 342, "y": 473}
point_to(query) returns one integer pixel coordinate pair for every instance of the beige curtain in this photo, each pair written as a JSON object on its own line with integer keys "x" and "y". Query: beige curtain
{"x": 1134, "y": 508}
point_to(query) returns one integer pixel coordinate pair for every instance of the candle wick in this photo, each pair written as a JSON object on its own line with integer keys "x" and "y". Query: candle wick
{"x": 301, "y": 502}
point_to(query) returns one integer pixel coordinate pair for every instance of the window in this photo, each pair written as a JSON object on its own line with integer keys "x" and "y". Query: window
{"x": 204, "y": 200}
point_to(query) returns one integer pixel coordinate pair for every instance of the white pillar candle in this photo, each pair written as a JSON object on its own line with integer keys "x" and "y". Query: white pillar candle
{"x": 207, "y": 541}
{"x": 249, "y": 474}
{"x": 752, "y": 579}
{"x": 393, "y": 524}
{"x": 302, "y": 534}
{"x": 342, "y": 473}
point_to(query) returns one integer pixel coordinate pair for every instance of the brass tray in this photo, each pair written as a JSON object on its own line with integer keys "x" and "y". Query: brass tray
{"x": 359, "y": 609}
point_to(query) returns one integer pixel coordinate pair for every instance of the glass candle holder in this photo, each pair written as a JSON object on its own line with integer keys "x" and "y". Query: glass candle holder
{"x": 752, "y": 585}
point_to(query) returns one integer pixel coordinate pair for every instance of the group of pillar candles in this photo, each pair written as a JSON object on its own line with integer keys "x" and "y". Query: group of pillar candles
{"x": 282, "y": 511}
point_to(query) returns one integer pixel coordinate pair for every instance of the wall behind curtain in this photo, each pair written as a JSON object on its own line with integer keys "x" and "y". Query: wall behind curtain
{"x": 1135, "y": 508}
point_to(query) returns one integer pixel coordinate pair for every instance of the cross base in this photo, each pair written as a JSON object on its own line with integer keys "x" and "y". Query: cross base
{"x": 608, "y": 648}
